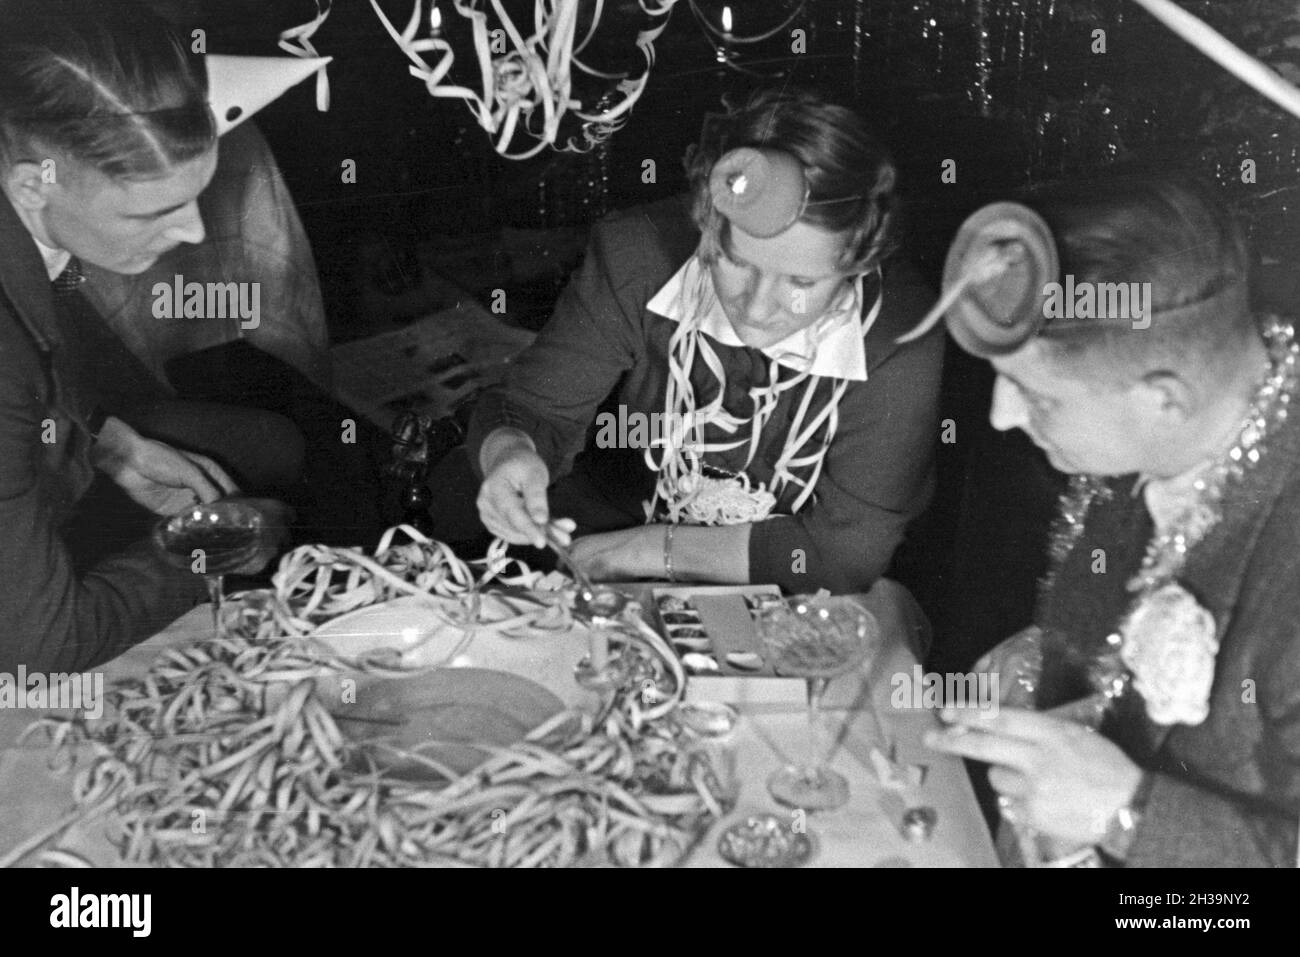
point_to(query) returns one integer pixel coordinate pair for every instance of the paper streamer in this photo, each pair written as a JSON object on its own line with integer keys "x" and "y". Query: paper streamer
{"x": 533, "y": 83}
{"x": 297, "y": 40}
{"x": 1219, "y": 49}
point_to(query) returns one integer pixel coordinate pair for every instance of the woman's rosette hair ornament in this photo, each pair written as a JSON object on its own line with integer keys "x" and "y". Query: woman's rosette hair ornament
{"x": 761, "y": 191}
{"x": 785, "y": 156}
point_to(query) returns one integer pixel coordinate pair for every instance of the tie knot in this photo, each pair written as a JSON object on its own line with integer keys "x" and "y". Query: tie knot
{"x": 71, "y": 277}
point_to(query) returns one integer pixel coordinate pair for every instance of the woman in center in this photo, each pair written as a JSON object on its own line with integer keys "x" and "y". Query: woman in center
{"x": 718, "y": 396}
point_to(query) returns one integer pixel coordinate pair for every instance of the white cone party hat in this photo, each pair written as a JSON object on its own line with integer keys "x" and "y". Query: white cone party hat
{"x": 239, "y": 86}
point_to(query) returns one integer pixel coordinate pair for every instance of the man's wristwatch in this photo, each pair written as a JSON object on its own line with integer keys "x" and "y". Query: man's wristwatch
{"x": 1122, "y": 827}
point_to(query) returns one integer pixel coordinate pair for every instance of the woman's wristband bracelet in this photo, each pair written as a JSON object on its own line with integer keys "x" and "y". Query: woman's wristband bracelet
{"x": 669, "y": 528}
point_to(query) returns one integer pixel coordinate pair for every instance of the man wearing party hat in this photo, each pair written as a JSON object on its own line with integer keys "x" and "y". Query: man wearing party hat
{"x": 106, "y": 141}
{"x": 204, "y": 363}
{"x": 1170, "y": 619}
{"x": 252, "y": 232}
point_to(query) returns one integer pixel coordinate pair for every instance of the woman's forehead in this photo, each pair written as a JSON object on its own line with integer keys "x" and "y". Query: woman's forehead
{"x": 802, "y": 250}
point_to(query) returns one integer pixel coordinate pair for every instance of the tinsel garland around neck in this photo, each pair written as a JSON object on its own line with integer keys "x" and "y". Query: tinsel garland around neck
{"x": 1167, "y": 552}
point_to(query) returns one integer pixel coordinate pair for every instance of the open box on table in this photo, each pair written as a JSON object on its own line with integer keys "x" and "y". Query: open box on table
{"x": 719, "y": 621}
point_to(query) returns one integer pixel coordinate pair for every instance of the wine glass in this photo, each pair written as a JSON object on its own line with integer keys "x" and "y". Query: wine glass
{"x": 212, "y": 540}
{"x": 815, "y": 638}
{"x": 1081, "y": 686}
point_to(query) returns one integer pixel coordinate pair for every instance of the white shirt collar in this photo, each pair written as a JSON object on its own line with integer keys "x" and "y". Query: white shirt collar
{"x": 56, "y": 260}
{"x": 1169, "y": 498}
{"x": 833, "y": 343}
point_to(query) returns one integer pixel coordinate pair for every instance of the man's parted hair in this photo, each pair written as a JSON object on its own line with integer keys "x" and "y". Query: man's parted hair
{"x": 1172, "y": 232}
{"x": 106, "y": 82}
{"x": 850, "y": 175}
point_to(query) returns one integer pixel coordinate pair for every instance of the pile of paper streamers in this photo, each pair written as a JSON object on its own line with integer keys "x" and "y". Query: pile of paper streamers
{"x": 225, "y": 753}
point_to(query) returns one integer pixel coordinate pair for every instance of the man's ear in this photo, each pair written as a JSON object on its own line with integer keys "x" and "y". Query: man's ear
{"x": 28, "y": 184}
{"x": 1167, "y": 395}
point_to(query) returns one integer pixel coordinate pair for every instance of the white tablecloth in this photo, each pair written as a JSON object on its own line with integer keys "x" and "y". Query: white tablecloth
{"x": 858, "y": 715}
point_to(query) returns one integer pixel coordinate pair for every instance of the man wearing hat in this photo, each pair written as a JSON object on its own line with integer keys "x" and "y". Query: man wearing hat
{"x": 1170, "y": 617}
{"x": 106, "y": 141}
{"x": 751, "y": 326}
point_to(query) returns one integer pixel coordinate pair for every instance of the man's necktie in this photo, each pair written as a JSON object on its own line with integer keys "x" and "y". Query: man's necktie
{"x": 70, "y": 279}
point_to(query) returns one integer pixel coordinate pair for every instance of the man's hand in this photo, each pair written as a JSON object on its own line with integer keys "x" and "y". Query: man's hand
{"x": 630, "y": 554}
{"x": 1066, "y": 781}
{"x": 157, "y": 476}
{"x": 512, "y": 499}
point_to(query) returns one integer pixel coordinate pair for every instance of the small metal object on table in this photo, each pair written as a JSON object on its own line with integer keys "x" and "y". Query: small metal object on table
{"x": 765, "y": 841}
{"x": 595, "y": 604}
{"x": 918, "y": 823}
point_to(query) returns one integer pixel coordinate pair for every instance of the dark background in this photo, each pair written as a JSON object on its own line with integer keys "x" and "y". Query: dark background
{"x": 1009, "y": 89}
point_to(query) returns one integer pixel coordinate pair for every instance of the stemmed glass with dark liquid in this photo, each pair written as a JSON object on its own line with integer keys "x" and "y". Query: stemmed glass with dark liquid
{"x": 213, "y": 540}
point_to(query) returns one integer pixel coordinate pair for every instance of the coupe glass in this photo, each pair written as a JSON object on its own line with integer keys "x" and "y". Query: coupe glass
{"x": 219, "y": 538}
{"x": 815, "y": 638}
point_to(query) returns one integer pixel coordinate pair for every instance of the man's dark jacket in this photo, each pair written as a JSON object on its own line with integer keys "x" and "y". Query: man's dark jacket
{"x": 1226, "y": 792}
{"x": 52, "y": 617}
